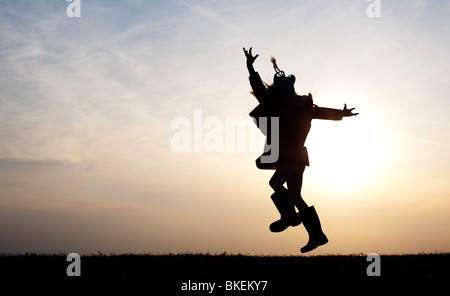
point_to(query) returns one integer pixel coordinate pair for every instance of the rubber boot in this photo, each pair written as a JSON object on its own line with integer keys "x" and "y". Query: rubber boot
{"x": 312, "y": 224}
{"x": 283, "y": 201}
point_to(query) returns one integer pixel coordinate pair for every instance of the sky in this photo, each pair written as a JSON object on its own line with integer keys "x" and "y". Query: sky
{"x": 88, "y": 106}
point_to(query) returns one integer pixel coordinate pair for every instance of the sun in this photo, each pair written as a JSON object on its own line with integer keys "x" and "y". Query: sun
{"x": 345, "y": 155}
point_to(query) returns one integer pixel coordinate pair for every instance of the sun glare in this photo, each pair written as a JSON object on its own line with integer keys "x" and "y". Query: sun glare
{"x": 346, "y": 155}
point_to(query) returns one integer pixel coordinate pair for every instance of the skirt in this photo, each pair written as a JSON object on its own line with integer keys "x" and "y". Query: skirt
{"x": 295, "y": 155}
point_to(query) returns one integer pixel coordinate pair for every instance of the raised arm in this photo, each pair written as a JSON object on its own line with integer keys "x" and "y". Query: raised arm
{"x": 258, "y": 87}
{"x": 250, "y": 60}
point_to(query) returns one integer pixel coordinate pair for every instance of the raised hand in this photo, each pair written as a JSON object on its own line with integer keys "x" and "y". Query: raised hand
{"x": 250, "y": 58}
{"x": 348, "y": 112}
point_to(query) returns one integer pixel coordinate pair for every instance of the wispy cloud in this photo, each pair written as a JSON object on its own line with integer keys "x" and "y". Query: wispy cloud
{"x": 11, "y": 164}
{"x": 86, "y": 104}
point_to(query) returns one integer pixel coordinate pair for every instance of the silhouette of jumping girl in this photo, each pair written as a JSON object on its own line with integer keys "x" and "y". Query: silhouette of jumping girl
{"x": 294, "y": 113}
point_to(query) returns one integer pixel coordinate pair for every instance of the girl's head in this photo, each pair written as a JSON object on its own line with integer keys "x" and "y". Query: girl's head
{"x": 282, "y": 85}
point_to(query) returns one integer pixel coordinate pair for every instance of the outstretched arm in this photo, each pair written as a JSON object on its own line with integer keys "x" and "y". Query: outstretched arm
{"x": 332, "y": 114}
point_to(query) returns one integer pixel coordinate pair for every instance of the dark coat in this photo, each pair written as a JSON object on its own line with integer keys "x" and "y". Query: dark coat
{"x": 294, "y": 113}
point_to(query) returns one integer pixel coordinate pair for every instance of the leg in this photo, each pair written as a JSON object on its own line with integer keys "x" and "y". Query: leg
{"x": 282, "y": 199}
{"x": 294, "y": 185}
{"x": 308, "y": 215}
{"x": 313, "y": 226}
{"x": 282, "y": 174}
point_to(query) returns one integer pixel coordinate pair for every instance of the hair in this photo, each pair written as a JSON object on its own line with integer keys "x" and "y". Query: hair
{"x": 274, "y": 89}
{"x": 273, "y": 60}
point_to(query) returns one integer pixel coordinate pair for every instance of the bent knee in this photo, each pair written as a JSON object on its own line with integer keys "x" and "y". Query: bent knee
{"x": 275, "y": 184}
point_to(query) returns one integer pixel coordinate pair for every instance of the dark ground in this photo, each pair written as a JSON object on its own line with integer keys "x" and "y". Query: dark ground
{"x": 169, "y": 272}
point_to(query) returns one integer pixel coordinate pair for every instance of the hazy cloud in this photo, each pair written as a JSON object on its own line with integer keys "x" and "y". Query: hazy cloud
{"x": 86, "y": 106}
{"x": 24, "y": 164}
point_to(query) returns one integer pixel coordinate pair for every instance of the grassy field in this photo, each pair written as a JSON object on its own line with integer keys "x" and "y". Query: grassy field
{"x": 175, "y": 272}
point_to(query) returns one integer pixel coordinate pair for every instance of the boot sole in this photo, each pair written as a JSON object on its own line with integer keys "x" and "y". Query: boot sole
{"x": 315, "y": 245}
{"x": 287, "y": 226}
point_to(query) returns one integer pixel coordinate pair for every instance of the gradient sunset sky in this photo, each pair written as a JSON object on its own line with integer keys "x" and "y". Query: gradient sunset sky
{"x": 87, "y": 105}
